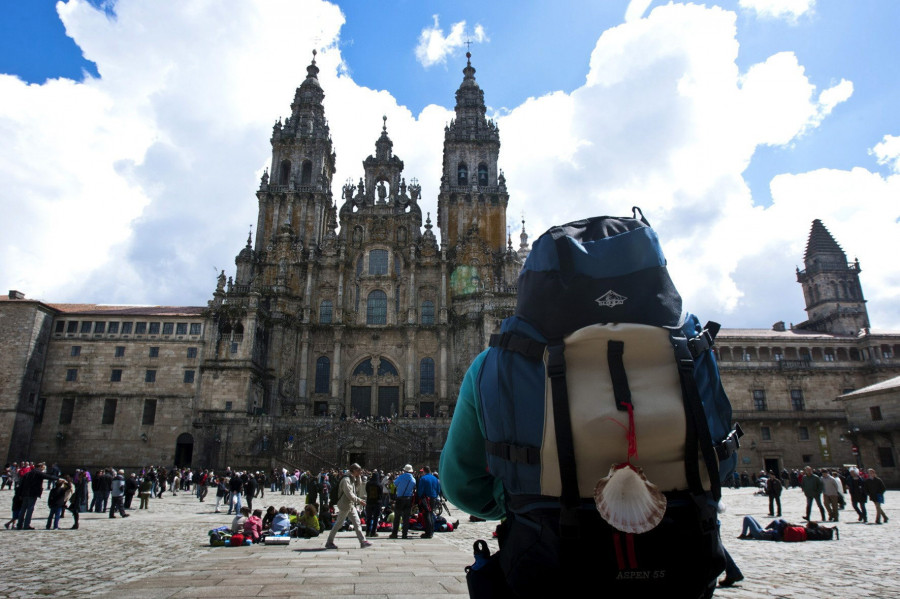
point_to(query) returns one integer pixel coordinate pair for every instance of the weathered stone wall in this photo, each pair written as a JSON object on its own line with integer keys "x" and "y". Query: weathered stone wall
{"x": 24, "y": 332}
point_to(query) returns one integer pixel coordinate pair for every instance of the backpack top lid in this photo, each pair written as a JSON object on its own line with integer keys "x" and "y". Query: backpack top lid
{"x": 598, "y": 270}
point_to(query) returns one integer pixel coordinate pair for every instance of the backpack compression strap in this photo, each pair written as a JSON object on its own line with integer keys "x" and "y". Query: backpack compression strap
{"x": 570, "y": 498}
{"x": 697, "y": 426}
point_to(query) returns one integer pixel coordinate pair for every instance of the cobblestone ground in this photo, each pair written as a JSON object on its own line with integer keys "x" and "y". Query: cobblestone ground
{"x": 163, "y": 552}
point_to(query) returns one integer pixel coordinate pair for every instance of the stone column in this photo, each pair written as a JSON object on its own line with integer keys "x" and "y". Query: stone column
{"x": 304, "y": 365}
{"x": 443, "y": 367}
{"x": 410, "y": 364}
{"x": 336, "y": 362}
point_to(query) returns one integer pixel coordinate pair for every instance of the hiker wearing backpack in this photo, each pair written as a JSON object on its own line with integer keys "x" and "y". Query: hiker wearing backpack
{"x": 349, "y": 490}
{"x": 596, "y": 426}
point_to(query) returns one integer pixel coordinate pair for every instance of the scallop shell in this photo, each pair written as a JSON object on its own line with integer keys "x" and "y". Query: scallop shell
{"x": 628, "y": 501}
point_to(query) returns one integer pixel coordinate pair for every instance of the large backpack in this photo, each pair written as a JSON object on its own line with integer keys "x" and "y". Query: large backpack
{"x": 601, "y": 368}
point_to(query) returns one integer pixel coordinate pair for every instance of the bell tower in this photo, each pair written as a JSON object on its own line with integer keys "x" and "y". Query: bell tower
{"x": 831, "y": 288}
{"x": 295, "y": 193}
{"x": 473, "y": 197}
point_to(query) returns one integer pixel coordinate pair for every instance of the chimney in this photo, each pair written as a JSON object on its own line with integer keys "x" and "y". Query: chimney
{"x": 778, "y": 326}
{"x": 16, "y": 295}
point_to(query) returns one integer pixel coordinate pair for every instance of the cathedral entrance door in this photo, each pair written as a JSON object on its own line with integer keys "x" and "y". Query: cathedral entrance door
{"x": 361, "y": 401}
{"x": 388, "y": 401}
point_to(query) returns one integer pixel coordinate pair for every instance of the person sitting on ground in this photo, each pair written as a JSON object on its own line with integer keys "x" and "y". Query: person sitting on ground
{"x": 308, "y": 525}
{"x": 253, "y": 526}
{"x": 237, "y": 525}
{"x": 267, "y": 519}
{"x": 281, "y": 524}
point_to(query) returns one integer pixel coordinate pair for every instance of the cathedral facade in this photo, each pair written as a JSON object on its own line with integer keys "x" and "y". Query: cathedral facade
{"x": 345, "y": 331}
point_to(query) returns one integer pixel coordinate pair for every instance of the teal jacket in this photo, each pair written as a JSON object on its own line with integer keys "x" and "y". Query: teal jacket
{"x": 464, "y": 471}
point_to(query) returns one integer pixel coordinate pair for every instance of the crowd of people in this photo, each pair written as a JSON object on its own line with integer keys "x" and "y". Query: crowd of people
{"x": 359, "y": 500}
{"x": 345, "y": 498}
{"x": 834, "y": 486}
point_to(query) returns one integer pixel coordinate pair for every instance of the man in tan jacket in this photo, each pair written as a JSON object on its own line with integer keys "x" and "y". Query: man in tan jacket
{"x": 349, "y": 491}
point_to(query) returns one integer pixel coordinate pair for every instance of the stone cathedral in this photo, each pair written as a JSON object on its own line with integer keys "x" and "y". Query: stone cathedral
{"x": 353, "y": 309}
{"x": 346, "y": 328}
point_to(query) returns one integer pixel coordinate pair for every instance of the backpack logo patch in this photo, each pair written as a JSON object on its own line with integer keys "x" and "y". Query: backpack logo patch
{"x": 611, "y": 299}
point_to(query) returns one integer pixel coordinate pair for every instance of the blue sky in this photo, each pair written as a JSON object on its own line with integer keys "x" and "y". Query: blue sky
{"x": 138, "y": 130}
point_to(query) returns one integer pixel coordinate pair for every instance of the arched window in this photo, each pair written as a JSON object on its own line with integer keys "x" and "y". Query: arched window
{"x": 284, "y": 174}
{"x": 325, "y": 310}
{"x": 462, "y": 174}
{"x": 376, "y": 307}
{"x": 385, "y": 367}
{"x": 378, "y": 262}
{"x": 426, "y": 376}
{"x": 483, "y": 175}
{"x": 323, "y": 374}
{"x": 238, "y": 335}
{"x": 428, "y": 312}
{"x": 364, "y": 368}
{"x": 306, "y": 173}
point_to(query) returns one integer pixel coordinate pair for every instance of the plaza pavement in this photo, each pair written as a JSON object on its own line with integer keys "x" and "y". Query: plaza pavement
{"x": 163, "y": 552}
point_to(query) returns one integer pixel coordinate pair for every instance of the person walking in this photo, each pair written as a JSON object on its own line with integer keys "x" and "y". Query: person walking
{"x": 858, "y": 495}
{"x": 812, "y": 487}
{"x": 349, "y": 491}
{"x": 875, "y": 488}
{"x": 773, "y": 490}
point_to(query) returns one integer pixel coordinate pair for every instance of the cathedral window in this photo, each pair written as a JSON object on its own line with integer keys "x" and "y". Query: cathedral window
{"x": 376, "y": 307}
{"x": 113, "y": 328}
{"x": 378, "y": 262}
{"x": 483, "y": 175}
{"x": 195, "y": 328}
{"x": 325, "y": 311}
{"x": 100, "y": 327}
{"x": 364, "y": 369}
{"x": 462, "y": 174}
{"x": 181, "y": 328}
{"x": 168, "y": 328}
{"x": 126, "y": 328}
{"x": 115, "y": 376}
{"x": 71, "y": 375}
{"x": 75, "y": 351}
{"x": 285, "y": 172}
{"x": 306, "y": 173}
{"x": 428, "y": 312}
{"x": 60, "y": 326}
{"x": 797, "y": 400}
{"x": 238, "y": 335}
{"x": 191, "y": 353}
{"x": 385, "y": 367}
{"x": 803, "y": 433}
{"x": 759, "y": 400}
{"x": 120, "y": 351}
{"x": 766, "y": 433}
{"x": 188, "y": 376}
{"x": 426, "y": 376}
{"x": 150, "y": 376}
{"x": 86, "y": 326}
{"x": 72, "y": 326}
{"x": 323, "y": 374}
{"x": 154, "y": 352}
{"x": 154, "y": 328}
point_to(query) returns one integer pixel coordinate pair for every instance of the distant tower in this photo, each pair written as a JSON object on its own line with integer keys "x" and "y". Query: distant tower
{"x": 295, "y": 198}
{"x": 473, "y": 195}
{"x": 831, "y": 288}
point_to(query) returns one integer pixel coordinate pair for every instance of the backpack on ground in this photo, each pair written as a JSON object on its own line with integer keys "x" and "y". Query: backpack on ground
{"x": 817, "y": 532}
{"x": 601, "y": 374}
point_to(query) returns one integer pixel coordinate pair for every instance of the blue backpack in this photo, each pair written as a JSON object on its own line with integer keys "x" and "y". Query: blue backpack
{"x": 600, "y": 369}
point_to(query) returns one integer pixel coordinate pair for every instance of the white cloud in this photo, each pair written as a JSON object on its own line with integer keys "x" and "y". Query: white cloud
{"x": 887, "y": 151}
{"x": 636, "y": 9}
{"x": 132, "y": 187}
{"x": 779, "y": 9}
{"x": 434, "y": 47}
